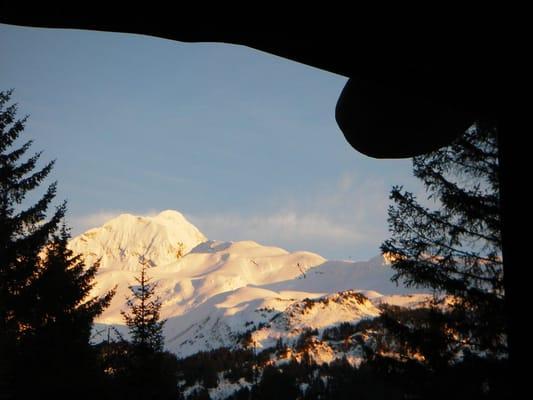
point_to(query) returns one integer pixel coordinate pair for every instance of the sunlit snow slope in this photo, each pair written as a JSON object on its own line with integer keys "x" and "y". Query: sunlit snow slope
{"x": 214, "y": 291}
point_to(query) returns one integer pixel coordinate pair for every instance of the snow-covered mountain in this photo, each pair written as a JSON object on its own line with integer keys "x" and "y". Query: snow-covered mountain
{"x": 215, "y": 292}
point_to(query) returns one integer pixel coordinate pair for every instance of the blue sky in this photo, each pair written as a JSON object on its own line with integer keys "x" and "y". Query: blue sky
{"x": 243, "y": 143}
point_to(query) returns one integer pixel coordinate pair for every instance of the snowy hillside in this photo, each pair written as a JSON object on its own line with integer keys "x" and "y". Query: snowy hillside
{"x": 215, "y": 292}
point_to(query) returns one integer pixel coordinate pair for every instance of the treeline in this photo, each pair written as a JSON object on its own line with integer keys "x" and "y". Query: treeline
{"x": 393, "y": 357}
{"x": 205, "y": 367}
{"x": 382, "y": 377}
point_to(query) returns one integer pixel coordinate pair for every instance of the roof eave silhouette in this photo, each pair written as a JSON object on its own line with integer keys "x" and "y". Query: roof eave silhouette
{"x": 403, "y": 98}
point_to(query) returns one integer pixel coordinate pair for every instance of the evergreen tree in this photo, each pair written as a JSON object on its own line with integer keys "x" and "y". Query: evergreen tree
{"x": 45, "y": 314}
{"x": 23, "y": 234}
{"x": 63, "y": 321}
{"x": 143, "y": 318}
{"x": 455, "y": 250}
{"x": 151, "y": 372}
{"x": 63, "y": 288}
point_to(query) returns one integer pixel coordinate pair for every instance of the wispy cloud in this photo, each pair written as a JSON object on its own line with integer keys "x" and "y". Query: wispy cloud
{"x": 343, "y": 218}
{"x": 280, "y": 226}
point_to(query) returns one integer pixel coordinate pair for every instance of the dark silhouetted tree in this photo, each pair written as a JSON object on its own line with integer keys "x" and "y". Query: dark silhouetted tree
{"x": 45, "y": 316}
{"x": 151, "y": 372}
{"x": 142, "y": 317}
{"x": 454, "y": 249}
{"x": 23, "y": 234}
{"x": 63, "y": 320}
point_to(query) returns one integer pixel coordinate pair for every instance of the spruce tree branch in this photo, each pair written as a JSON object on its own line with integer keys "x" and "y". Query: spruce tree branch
{"x": 434, "y": 219}
{"x": 436, "y": 243}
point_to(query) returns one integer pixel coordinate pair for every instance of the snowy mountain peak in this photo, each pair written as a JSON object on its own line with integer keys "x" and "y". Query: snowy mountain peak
{"x": 125, "y": 240}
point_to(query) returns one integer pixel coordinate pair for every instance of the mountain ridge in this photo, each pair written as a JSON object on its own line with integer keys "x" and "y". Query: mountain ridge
{"x": 213, "y": 292}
